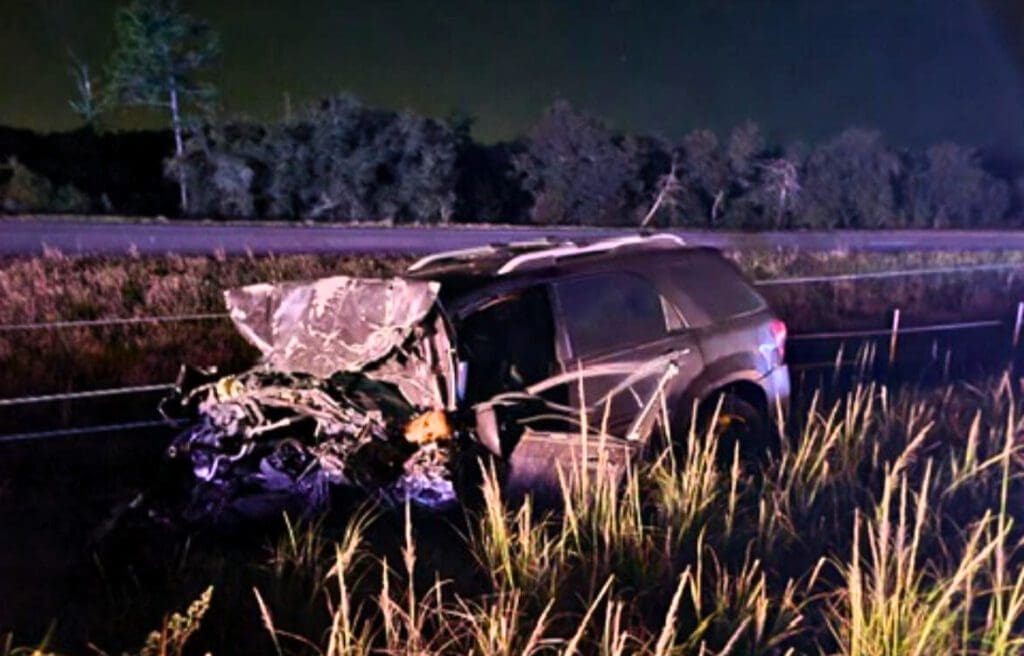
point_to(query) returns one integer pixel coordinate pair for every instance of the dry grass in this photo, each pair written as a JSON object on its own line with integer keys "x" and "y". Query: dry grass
{"x": 59, "y": 288}
{"x": 902, "y": 531}
{"x": 869, "y": 303}
{"x": 888, "y": 524}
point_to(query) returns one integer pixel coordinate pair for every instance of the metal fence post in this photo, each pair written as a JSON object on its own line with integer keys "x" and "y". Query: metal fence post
{"x": 894, "y": 336}
{"x": 1017, "y": 324}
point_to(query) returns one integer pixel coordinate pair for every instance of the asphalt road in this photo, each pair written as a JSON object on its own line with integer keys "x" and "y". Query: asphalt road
{"x": 29, "y": 236}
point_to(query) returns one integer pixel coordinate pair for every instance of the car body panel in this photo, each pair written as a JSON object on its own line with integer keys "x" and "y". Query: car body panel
{"x": 345, "y": 324}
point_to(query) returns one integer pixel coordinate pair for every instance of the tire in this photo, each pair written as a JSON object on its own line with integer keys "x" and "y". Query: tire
{"x": 739, "y": 422}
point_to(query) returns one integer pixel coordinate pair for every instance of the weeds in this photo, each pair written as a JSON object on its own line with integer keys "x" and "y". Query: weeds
{"x": 649, "y": 563}
{"x": 178, "y": 629}
{"x": 889, "y": 523}
{"x": 56, "y": 287}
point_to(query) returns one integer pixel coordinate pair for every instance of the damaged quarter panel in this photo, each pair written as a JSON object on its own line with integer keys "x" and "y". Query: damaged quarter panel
{"x": 731, "y": 323}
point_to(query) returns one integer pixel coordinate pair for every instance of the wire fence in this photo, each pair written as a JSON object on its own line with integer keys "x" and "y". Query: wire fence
{"x": 90, "y": 430}
{"x": 90, "y": 394}
{"x": 886, "y": 332}
{"x": 111, "y": 321}
{"x": 836, "y": 335}
{"x": 897, "y": 273}
{"x": 213, "y": 316}
{"x": 768, "y": 282}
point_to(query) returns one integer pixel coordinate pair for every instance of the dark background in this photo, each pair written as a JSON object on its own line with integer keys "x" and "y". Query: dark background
{"x": 919, "y": 70}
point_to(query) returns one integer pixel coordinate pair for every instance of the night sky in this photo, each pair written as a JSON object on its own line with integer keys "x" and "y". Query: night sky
{"x": 920, "y": 70}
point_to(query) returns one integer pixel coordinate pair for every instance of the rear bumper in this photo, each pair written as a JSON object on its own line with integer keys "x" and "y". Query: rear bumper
{"x": 776, "y": 387}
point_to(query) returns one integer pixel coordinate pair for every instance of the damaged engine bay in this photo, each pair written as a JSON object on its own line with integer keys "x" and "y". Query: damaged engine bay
{"x": 353, "y": 390}
{"x": 265, "y": 437}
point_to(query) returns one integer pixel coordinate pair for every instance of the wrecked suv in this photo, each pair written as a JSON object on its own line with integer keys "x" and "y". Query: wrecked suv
{"x": 543, "y": 356}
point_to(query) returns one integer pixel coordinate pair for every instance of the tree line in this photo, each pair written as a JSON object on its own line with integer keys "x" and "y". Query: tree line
{"x": 340, "y": 160}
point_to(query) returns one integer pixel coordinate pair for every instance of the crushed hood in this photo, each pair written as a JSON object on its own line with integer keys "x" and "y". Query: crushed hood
{"x": 345, "y": 324}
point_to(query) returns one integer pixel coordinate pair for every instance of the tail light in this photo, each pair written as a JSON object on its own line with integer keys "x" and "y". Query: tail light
{"x": 779, "y": 333}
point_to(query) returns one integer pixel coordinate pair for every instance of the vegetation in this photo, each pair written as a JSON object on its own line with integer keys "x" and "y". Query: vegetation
{"x": 336, "y": 160}
{"x": 160, "y": 52}
{"x": 339, "y": 160}
{"x": 57, "y": 288}
{"x": 888, "y": 524}
{"x": 24, "y": 190}
{"x": 574, "y": 169}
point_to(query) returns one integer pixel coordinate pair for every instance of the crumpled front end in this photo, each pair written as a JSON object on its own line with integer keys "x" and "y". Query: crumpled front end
{"x": 354, "y": 390}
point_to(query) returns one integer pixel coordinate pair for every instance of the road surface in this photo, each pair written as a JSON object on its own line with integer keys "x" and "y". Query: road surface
{"x": 29, "y": 236}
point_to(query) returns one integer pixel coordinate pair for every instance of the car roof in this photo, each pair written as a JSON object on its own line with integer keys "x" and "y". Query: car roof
{"x": 468, "y": 269}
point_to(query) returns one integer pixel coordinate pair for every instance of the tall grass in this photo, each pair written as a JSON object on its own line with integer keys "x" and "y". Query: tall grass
{"x": 887, "y": 525}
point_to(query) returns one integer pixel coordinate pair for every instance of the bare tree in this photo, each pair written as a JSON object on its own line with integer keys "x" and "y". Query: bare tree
{"x": 780, "y": 183}
{"x": 669, "y": 187}
{"x": 87, "y": 103}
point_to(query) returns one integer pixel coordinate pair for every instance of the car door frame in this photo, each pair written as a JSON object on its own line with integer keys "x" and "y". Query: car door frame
{"x": 678, "y": 339}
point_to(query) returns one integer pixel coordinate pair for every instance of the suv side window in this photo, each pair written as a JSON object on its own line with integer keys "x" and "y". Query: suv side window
{"x": 607, "y": 311}
{"x": 508, "y": 343}
{"x": 714, "y": 289}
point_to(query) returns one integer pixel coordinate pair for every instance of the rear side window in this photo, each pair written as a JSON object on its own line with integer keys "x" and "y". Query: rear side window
{"x": 604, "y": 312}
{"x": 715, "y": 287}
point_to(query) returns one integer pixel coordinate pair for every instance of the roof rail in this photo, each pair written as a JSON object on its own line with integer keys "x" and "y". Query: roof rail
{"x": 601, "y": 246}
{"x": 459, "y": 254}
{"x": 487, "y": 249}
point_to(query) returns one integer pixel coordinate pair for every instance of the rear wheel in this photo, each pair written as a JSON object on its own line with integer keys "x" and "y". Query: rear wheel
{"x": 740, "y": 424}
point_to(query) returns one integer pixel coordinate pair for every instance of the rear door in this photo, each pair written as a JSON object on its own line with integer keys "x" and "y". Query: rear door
{"x": 619, "y": 335}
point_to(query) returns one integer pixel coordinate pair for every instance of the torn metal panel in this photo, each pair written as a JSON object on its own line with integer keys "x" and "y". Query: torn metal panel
{"x": 351, "y": 324}
{"x": 332, "y": 324}
{"x": 262, "y": 438}
{"x": 544, "y": 461}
